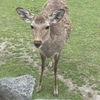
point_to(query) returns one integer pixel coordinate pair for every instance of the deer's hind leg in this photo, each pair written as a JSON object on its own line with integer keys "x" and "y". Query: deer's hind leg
{"x": 50, "y": 63}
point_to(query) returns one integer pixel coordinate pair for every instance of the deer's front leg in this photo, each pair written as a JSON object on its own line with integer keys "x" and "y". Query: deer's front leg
{"x": 56, "y": 59}
{"x": 42, "y": 69}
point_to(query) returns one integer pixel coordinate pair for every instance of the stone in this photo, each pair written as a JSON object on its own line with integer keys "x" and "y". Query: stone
{"x": 19, "y": 88}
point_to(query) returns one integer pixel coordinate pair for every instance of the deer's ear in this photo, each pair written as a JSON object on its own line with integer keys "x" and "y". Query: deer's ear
{"x": 24, "y": 14}
{"x": 57, "y": 15}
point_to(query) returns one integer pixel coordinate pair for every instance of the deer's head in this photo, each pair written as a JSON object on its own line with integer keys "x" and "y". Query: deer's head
{"x": 40, "y": 23}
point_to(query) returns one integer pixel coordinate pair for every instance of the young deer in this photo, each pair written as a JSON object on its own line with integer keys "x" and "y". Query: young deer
{"x": 51, "y": 29}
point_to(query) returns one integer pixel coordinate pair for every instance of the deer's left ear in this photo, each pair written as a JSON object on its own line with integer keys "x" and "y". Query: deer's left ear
{"x": 57, "y": 15}
{"x": 24, "y": 14}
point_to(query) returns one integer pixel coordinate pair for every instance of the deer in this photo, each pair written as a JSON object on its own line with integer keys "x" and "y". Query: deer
{"x": 51, "y": 28}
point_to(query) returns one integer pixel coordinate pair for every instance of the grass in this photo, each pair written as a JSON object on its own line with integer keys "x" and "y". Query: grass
{"x": 80, "y": 60}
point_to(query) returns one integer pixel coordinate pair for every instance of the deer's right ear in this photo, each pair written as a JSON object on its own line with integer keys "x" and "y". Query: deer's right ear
{"x": 57, "y": 15}
{"x": 24, "y": 14}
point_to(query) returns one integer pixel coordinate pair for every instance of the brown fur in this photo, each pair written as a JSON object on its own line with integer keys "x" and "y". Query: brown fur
{"x": 52, "y": 5}
{"x": 59, "y": 34}
{"x": 39, "y": 19}
{"x": 49, "y": 35}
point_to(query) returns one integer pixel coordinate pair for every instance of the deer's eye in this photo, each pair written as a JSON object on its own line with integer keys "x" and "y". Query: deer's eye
{"x": 32, "y": 27}
{"x": 47, "y": 27}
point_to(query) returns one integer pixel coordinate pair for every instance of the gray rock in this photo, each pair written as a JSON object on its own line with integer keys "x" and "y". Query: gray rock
{"x": 19, "y": 88}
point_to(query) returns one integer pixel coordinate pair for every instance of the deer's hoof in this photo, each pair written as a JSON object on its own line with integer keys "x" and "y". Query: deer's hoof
{"x": 56, "y": 91}
{"x": 38, "y": 91}
{"x": 55, "y": 95}
{"x": 48, "y": 67}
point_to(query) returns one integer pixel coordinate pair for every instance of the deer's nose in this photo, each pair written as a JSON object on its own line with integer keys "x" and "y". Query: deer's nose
{"x": 37, "y": 43}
